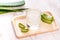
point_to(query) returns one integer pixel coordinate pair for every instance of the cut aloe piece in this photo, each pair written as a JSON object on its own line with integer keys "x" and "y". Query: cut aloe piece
{"x": 21, "y": 25}
{"x": 24, "y": 30}
{"x": 47, "y": 19}
{"x": 12, "y": 4}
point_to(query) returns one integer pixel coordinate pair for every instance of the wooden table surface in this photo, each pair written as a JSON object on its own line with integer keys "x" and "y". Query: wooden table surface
{"x": 6, "y": 29}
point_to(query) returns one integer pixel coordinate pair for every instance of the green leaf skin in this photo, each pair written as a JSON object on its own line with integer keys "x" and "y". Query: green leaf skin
{"x": 13, "y": 4}
{"x": 3, "y": 11}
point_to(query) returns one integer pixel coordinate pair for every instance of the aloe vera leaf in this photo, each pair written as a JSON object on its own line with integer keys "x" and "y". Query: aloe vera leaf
{"x": 18, "y": 10}
{"x": 3, "y": 11}
{"x": 14, "y": 10}
{"x": 14, "y": 4}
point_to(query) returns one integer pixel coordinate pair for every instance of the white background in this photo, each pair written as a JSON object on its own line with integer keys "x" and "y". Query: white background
{"x": 6, "y": 29}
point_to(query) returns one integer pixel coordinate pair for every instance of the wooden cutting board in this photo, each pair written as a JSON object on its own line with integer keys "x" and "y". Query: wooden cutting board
{"x": 43, "y": 27}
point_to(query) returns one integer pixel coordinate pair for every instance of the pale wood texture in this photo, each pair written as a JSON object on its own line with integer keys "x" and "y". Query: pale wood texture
{"x": 43, "y": 27}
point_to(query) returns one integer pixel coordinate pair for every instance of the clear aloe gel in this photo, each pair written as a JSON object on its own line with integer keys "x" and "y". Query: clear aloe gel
{"x": 33, "y": 19}
{"x": 4, "y": 3}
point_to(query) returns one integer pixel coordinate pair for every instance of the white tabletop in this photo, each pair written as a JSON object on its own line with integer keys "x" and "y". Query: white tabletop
{"x": 6, "y": 29}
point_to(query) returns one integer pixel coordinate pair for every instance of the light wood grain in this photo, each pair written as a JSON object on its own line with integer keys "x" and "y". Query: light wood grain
{"x": 43, "y": 27}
